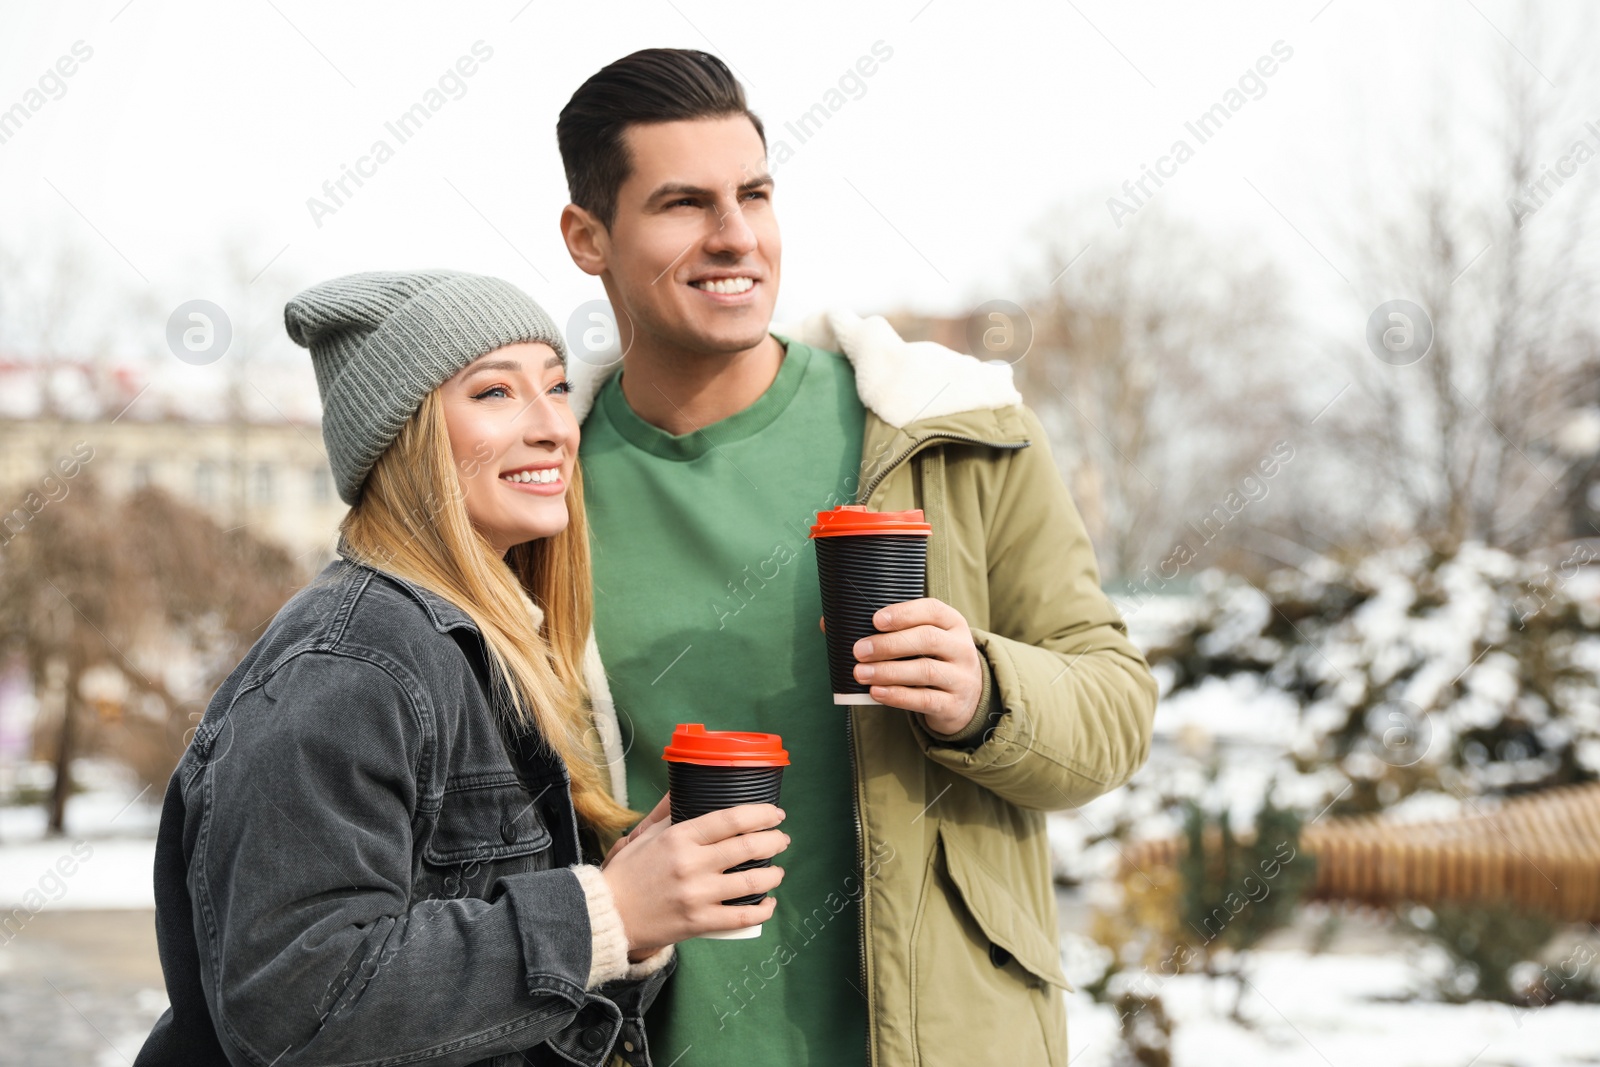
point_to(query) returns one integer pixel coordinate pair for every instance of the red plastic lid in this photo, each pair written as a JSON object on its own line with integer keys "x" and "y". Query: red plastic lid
{"x": 693, "y": 743}
{"x": 850, "y": 519}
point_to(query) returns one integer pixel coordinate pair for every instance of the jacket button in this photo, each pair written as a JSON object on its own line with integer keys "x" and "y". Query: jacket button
{"x": 998, "y": 956}
{"x": 508, "y": 830}
{"x": 593, "y": 1038}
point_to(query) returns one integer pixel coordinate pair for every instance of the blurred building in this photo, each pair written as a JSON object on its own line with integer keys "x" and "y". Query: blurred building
{"x": 238, "y": 440}
{"x": 273, "y": 478}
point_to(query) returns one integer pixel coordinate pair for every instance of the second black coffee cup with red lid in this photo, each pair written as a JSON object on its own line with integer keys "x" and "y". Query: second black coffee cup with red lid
{"x": 708, "y": 770}
{"x": 866, "y": 561}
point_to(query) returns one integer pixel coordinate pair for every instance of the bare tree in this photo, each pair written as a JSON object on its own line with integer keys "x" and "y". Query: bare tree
{"x": 1467, "y": 440}
{"x": 45, "y": 318}
{"x": 1159, "y": 362}
{"x": 144, "y": 588}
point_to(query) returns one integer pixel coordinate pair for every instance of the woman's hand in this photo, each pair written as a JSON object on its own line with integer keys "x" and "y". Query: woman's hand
{"x": 662, "y": 811}
{"x": 668, "y": 878}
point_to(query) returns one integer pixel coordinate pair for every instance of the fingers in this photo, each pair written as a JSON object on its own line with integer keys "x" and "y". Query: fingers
{"x": 931, "y": 687}
{"x": 917, "y": 641}
{"x": 923, "y": 660}
{"x": 927, "y": 611}
{"x": 645, "y": 833}
{"x": 662, "y": 811}
{"x": 620, "y": 844}
{"x": 718, "y": 826}
{"x": 733, "y": 884}
{"x": 932, "y": 673}
{"x": 738, "y": 916}
{"x": 760, "y": 845}
{"x": 913, "y": 698}
{"x": 822, "y": 624}
{"x": 648, "y": 829}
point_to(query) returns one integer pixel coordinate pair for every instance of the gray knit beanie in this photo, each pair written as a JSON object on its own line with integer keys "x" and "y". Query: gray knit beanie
{"x": 383, "y": 340}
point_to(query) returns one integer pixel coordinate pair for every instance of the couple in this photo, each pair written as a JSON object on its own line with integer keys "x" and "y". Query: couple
{"x": 397, "y": 836}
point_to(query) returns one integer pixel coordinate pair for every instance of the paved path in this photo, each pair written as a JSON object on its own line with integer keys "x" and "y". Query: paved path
{"x": 79, "y": 988}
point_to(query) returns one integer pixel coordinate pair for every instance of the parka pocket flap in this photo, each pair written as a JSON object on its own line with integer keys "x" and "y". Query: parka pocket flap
{"x": 1000, "y": 915}
{"x": 486, "y": 820}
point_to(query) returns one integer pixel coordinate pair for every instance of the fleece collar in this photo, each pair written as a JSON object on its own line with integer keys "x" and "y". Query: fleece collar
{"x": 899, "y": 381}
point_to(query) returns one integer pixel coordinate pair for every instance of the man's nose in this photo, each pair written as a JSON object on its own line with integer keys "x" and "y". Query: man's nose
{"x": 733, "y": 234}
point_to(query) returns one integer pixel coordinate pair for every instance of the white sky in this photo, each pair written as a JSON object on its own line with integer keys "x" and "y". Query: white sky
{"x": 195, "y": 126}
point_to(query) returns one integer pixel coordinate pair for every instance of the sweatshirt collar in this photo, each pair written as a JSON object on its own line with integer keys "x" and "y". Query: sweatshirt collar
{"x": 772, "y": 403}
{"x": 899, "y": 381}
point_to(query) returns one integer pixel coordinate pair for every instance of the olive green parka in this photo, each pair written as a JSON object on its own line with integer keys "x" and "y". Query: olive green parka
{"x": 960, "y": 959}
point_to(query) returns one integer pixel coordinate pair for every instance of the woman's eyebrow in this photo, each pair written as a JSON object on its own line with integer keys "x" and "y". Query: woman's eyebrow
{"x": 497, "y": 364}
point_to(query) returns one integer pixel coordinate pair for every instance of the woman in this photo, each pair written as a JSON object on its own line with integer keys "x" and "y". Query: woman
{"x": 383, "y": 843}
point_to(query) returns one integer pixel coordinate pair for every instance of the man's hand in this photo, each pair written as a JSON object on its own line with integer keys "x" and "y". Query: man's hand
{"x": 939, "y": 673}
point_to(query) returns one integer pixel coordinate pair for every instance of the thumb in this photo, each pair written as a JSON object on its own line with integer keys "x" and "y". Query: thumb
{"x": 822, "y": 624}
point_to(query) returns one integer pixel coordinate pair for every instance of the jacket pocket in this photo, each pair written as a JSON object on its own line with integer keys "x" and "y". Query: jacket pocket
{"x": 985, "y": 979}
{"x": 488, "y": 826}
{"x": 1004, "y": 919}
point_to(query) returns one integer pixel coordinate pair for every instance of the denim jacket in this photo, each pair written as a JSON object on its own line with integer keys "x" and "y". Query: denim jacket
{"x": 356, "y": 865}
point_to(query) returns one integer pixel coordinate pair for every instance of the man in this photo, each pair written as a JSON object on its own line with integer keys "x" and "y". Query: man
{"x": 916, "y": 922}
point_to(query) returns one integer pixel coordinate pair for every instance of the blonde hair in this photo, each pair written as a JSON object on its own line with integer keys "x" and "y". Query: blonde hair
{"x": 412, "y": 521}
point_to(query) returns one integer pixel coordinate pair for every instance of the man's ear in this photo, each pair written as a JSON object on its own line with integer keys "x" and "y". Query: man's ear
{"x": 588, "y": 242}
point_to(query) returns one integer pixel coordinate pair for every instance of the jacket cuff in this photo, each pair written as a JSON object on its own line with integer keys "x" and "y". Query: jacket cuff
{"x": 990, "y": 708}
{"x": 608, "y": 956}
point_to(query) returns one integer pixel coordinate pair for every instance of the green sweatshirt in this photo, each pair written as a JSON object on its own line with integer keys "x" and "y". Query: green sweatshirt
{"x": 706, "y": 610}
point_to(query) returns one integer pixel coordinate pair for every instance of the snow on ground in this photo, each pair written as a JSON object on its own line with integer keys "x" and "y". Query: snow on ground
{"x": 78, "y": 873}
{"x": 104, "y": 860}
{"x": 1340, "y": 1011}
{"x": 1222, "y": 742}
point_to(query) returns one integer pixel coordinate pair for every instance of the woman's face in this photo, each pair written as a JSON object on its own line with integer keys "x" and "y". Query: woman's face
{"x": 515, "y": 442}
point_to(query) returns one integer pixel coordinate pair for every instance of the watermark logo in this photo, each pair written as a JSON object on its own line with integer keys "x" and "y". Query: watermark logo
{"x": 199, "y": 332}
{"x": 999, "y": 332}
{"x": 593, "y": 336}
{"x": 1399, "y": 332}
{"x": 1402, "y": 732}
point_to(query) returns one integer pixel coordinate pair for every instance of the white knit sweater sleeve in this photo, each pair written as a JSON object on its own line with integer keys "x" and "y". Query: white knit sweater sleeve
{"x": 608, "y": 959}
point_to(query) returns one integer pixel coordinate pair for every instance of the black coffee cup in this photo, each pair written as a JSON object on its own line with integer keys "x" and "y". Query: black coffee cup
{"x": 866, "y": 560}
{"x": 708, "y": 770}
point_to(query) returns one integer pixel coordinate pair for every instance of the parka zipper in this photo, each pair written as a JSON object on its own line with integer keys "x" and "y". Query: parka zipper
{"x": 862, "y": 497}
{"x": 861, "y": 860}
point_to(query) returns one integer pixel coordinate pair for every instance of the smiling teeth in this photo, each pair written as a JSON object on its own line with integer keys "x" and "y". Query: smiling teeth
{"x": 543, "y": 477}
{"x": 728, "y": 286}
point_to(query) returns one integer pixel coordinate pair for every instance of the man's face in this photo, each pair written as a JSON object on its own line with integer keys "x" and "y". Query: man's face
{"x": 693, "y": 253}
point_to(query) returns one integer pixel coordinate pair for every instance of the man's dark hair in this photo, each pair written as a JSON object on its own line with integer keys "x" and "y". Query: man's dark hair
{"x": 654, "y": 85}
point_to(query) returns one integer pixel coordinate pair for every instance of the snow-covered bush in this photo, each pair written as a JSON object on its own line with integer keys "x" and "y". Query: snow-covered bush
{"x": 1411, "y": 672}
{"x": 1499, "y": 951}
